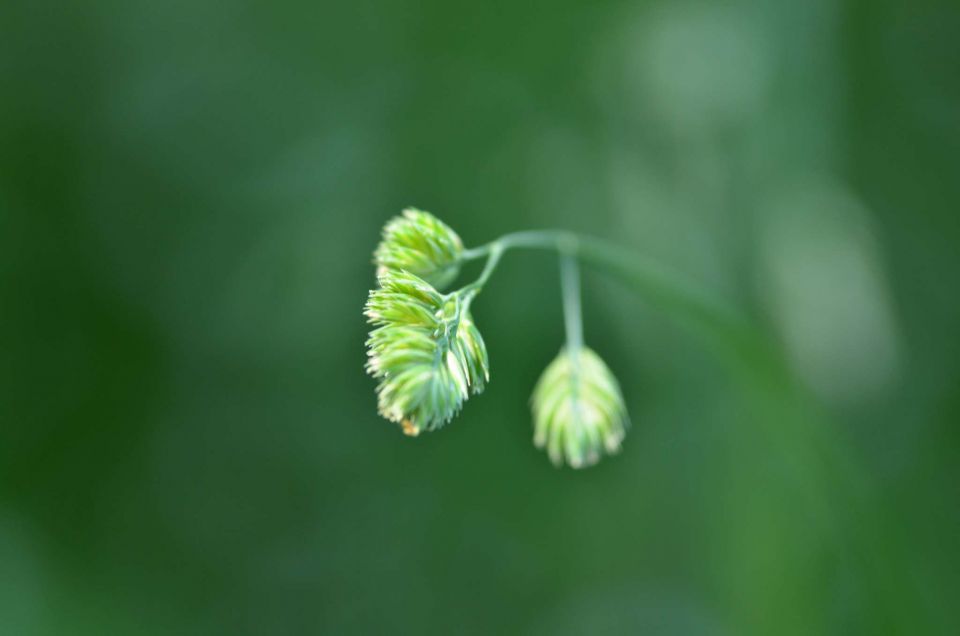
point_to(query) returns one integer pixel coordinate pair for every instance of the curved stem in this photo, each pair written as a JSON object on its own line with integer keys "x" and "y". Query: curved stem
{"x": 660, "y": 286}
{"x": 534, "y": 239}
{"x": 493, "y": 254}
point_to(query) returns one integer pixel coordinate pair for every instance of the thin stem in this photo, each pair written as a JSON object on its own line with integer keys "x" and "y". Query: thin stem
{"x": 534, "y": 239}
{"x": 468, "y": 292}
{"x": 660, "y": 286}
{"x": 572, "y": 315}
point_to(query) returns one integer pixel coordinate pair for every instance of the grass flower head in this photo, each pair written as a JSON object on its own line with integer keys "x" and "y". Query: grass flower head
{"x": 420, "y": 243}
{"x": 578, "y": 410}
{"x": 425, "y": 350}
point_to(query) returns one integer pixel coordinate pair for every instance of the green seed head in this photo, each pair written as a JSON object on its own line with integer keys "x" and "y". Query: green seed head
{"x": 425, "y": 351}
{"x": 578, "y": 410}
{"x": 422, "y": 244}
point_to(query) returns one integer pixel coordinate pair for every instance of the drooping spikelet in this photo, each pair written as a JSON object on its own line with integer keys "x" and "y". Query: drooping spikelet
{"x": 422, "y": 244}
{"x": 425, "y": 350}
{"x": 578, "y": 410}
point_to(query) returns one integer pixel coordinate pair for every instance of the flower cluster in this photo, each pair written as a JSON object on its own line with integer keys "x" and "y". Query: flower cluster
{"x": 578, "y": 410}
{"x": 428, "y": 357}
{"x": 421, "y": 244}
{"x": 425, "y": 349}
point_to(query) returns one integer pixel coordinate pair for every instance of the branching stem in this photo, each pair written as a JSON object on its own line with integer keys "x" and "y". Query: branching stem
{"x": 658, "y": 285}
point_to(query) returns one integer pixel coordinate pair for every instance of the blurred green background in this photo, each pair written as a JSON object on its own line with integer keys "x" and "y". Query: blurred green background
{"x": 190, "y": 193}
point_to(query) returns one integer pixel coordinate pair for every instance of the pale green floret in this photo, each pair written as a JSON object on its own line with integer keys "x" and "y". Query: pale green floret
{"x": 471, "y": 349}
{"x": 404, "y": 298}
{"x": 425, "y": 351}
{"x": 420, "y": 243}
{"x": 578, "y": 410}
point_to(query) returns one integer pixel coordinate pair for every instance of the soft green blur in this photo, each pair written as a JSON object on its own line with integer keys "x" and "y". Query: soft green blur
{"x": 190, "y": 194}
